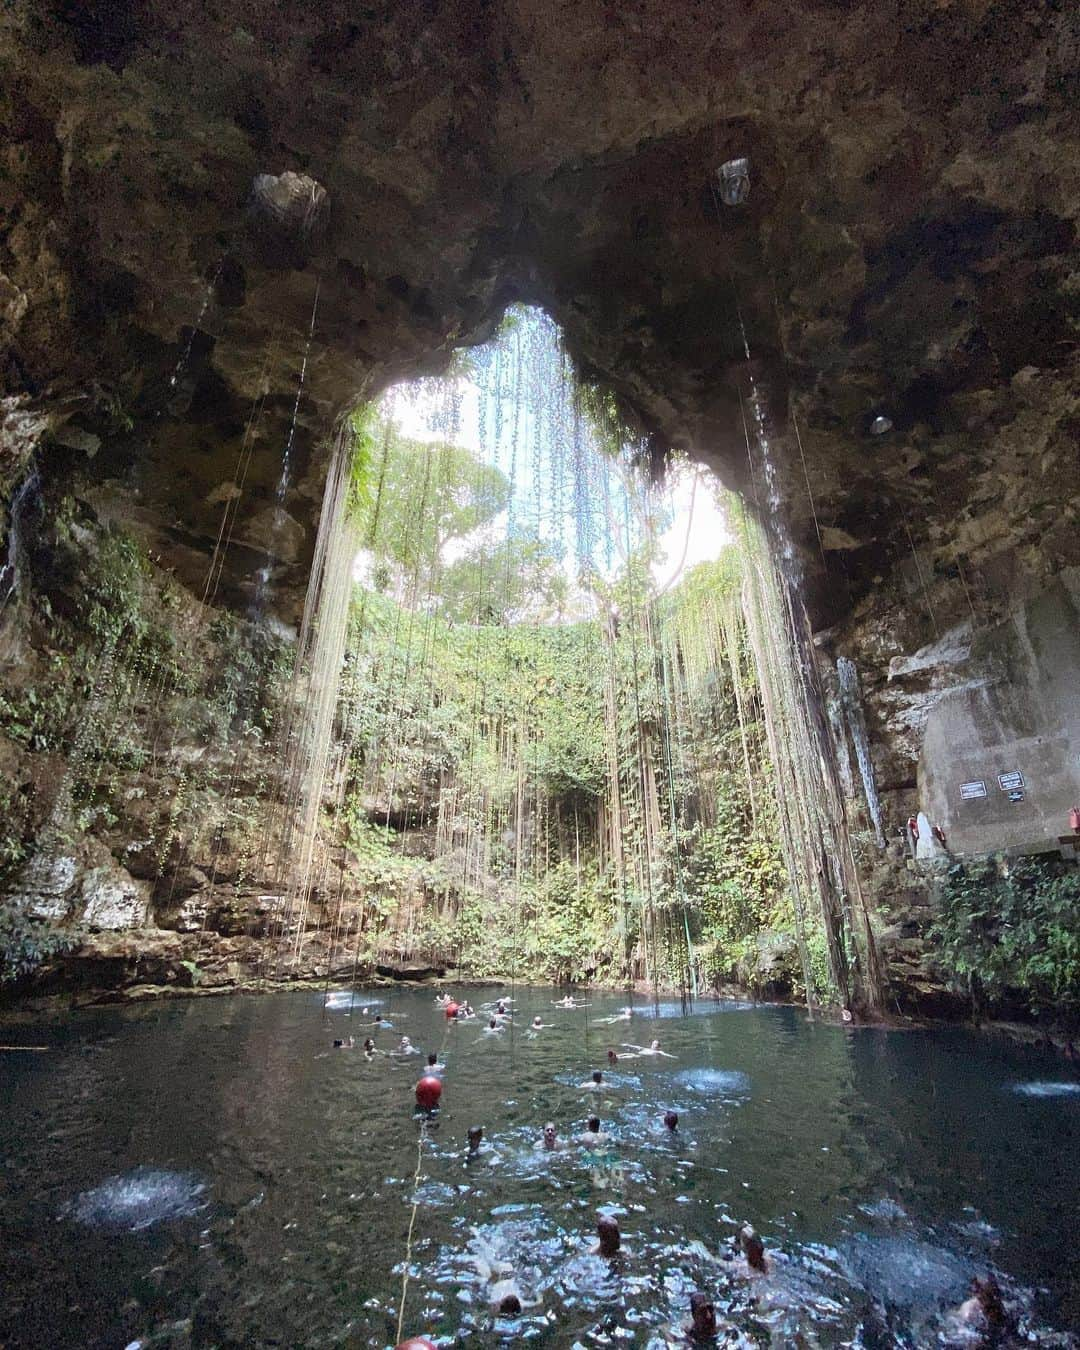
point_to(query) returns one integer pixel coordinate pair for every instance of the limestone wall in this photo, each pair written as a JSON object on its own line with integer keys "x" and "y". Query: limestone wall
{"x": 1022, "y": 716}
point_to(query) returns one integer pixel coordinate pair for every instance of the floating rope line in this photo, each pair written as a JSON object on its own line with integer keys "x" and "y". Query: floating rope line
{"x": 415, "y": 1203}
{"x": 412, "y": 1226}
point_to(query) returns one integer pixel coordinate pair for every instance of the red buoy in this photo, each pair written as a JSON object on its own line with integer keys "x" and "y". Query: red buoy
{"x": 428, "y": 1092}
{"x": 451, "y": 1011}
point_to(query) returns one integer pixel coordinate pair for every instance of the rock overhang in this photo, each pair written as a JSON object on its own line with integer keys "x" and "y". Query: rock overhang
{"x": 906, "y": 245}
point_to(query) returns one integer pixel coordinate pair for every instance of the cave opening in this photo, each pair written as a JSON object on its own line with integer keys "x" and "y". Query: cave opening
{"x": 524, "y": 675}
{"x": 558, "y": 724}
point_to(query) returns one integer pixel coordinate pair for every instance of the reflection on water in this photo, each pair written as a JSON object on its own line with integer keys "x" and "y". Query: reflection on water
{"x": 213, "y": 1173}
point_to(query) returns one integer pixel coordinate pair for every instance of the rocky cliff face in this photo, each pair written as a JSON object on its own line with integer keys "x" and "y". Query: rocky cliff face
{"x": 206, "y": 210}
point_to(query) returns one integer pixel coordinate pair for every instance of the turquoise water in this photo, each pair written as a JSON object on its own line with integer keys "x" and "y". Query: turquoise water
{"x": 213, "y": 1173}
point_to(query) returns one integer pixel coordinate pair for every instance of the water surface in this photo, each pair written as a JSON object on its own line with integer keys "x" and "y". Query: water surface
{"x": 213, "y": 1173}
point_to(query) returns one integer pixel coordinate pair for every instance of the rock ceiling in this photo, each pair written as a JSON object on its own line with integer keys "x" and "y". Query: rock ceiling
{"x": 907, "y": 248}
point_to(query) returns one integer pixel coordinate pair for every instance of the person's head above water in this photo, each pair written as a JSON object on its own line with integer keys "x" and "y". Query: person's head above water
{"x": 433, "y": 1059}
{"x": 654, "y": 1045}
{"x": 549, "y": 1135}
{"x": 607, "y": 1230}
{"x": 509, "y": 1305}
{"x": 671, "y": 1120}
{"x": 752, "y": 1247}
{"x": 988, "y": 1294}
{"x": 594, "y": 1124}
{"x": 537, "y": 1021}
{"x": 612, "y": 1057}
{"x": 702, "y": 1317}
{"x": 475, "y": 1135}
{"x": 404, "y": 1042}
{"x": 493, "y": 1025}
{"x": 597, "y": 1077}
{"x": 369, "y": 1044}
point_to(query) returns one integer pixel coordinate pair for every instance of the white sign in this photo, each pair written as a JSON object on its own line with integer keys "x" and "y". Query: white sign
{"x": 1009, "y": 782}
{"x": 969, "y": 791}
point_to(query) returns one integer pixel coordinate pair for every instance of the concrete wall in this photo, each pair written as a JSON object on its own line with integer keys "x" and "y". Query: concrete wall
{"x": 1026, "y": 718}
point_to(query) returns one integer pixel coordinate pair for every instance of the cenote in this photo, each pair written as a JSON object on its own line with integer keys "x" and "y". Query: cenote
{"x": 214, "y": 1173}
{"x": 537, "y": 497}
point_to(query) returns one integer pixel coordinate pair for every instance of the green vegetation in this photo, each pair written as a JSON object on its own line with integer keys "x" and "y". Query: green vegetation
{"x": 125, "y": 666}
{"x": 1012, "y": 931}
{"x": 26, "y": 943}
{"x": 537, "y": 794}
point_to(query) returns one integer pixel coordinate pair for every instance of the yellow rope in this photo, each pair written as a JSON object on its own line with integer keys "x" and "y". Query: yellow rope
{"x": 415, "y": 1206}
{"x": 412, "y": 1225}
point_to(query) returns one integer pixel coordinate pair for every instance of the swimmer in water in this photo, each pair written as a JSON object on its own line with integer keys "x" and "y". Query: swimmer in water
{"x": 537, "y": 1023}
{"x": 671, "y": 1121}
{"x": 594, "y": 1084}
{"x": 369, "y": 1049}
{"x": 609, "y": 1239}
{"x": 493, "y": 1028}
{"x": 653, "y": 1048}
{"x": 505, "y": 1299}
{"x": 549, "y": 1140}
{"x": 406, "y": 1047}
{"x": 984, "y": 1311}
{"x": 702, "y": 1324}
{"x": 441, "y": 1000}
{"x": 612, "y": 1057}
{"x": 346, "y": 1044}
{"x": 592, "y": 1136}
{"x": 433, "y": 1064}
{"x": 504, "y": 1294}
{"x": 753, "y": 1251}
{"x": 475, "y": 1138}
{"x": 570, "y": 1002}
{"x": 623, "y": 1016}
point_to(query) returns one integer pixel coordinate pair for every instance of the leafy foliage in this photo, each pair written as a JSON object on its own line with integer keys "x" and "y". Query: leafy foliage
{"x": 1014, "y": 929}
{"x": 487, "y": 739}
{"x": 25, "y": 943}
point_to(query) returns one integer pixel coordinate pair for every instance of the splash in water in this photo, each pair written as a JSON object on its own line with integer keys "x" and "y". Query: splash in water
{"x": 1047, "y": 1089}
{"x": 907, "y": 1273}
{"x": 139, "y": 1199}
{"x": 714, "y": 1082}
{"x": 346, "y": 1000}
